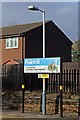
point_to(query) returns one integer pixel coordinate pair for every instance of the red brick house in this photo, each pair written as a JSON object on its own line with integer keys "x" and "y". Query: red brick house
{"x": 25, "y": 40}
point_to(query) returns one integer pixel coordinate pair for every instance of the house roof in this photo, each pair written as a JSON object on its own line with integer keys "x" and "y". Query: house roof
{"x": 12, "y": 62}
{"x": 19, "y": 29}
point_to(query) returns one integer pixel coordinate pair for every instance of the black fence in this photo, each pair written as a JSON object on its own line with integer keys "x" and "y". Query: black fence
{"x": 70, "y": 81}
{"x": 12, "y": 77}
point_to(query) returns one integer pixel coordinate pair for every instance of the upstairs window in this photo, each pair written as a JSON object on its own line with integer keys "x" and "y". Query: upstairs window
{"x": 12, "y": 42}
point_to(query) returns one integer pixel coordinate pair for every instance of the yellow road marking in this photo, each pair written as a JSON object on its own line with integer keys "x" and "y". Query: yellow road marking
{"x": 9, "y": 117}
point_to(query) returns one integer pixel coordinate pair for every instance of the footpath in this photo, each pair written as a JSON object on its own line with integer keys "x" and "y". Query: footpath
{"x": 18, "y": 115}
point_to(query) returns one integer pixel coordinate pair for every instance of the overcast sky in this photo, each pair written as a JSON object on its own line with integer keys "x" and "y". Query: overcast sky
{"x": 64, "y": 14}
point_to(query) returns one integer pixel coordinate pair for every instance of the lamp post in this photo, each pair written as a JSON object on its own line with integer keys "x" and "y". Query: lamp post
{"x": 34, "y": 8}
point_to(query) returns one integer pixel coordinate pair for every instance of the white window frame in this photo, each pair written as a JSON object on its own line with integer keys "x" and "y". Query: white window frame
{"x": 11, "y": 43}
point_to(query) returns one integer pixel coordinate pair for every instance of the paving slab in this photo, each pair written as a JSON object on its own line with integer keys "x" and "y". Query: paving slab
{"x": 18, "y": 115}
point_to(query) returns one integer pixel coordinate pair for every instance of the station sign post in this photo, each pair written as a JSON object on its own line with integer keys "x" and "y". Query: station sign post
{"x": 43, "y": 67}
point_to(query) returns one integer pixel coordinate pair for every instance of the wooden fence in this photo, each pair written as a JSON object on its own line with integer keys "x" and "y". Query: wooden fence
{"x": 12, "y": 77}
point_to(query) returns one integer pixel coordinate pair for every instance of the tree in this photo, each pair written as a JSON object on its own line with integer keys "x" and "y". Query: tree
{"x": 76, "y": 51}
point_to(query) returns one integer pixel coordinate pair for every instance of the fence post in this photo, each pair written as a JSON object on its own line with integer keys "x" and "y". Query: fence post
{"x": 79, "y": 108}
{"x": 57, "y": 104}
{"x": 78, "y": 90}
{"x": 61, "y": 92}
{"x": 23, "y": 89}
{"x": 41, "y": 103}
{"x": 75, "y": 81}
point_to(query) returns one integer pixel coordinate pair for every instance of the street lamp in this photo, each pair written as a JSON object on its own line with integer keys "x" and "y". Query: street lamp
{"x": 34, "y": 8}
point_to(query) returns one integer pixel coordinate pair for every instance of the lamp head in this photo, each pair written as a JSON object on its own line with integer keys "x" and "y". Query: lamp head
{"x": 33, "y": 8}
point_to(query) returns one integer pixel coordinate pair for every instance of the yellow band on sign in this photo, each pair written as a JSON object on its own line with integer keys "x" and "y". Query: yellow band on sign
{"x": 43, "y": 75}
{"x": 23, "y": 86}
{"x": 60, "y": 87}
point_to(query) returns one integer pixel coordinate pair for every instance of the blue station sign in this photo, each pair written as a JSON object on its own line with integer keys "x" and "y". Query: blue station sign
{"x": 42, "y": 65}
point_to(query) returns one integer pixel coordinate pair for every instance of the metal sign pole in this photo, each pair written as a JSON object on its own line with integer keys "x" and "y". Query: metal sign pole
{"x": 44, "y": 94}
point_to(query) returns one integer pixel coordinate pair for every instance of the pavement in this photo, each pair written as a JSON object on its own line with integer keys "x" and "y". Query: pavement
{"x": 28, "y": 115}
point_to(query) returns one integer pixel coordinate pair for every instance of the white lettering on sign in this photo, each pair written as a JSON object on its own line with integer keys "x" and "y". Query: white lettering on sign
{"x": 42, "y": 65}
{"x": 31, "y": 61}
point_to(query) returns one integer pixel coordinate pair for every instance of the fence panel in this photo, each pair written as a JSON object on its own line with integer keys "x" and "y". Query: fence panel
{"x": 70, "y": 81}
{"x": 12, "y": 77}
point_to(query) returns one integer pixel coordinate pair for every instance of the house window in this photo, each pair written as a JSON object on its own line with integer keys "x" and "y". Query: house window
{"x": 12, "y": 42}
